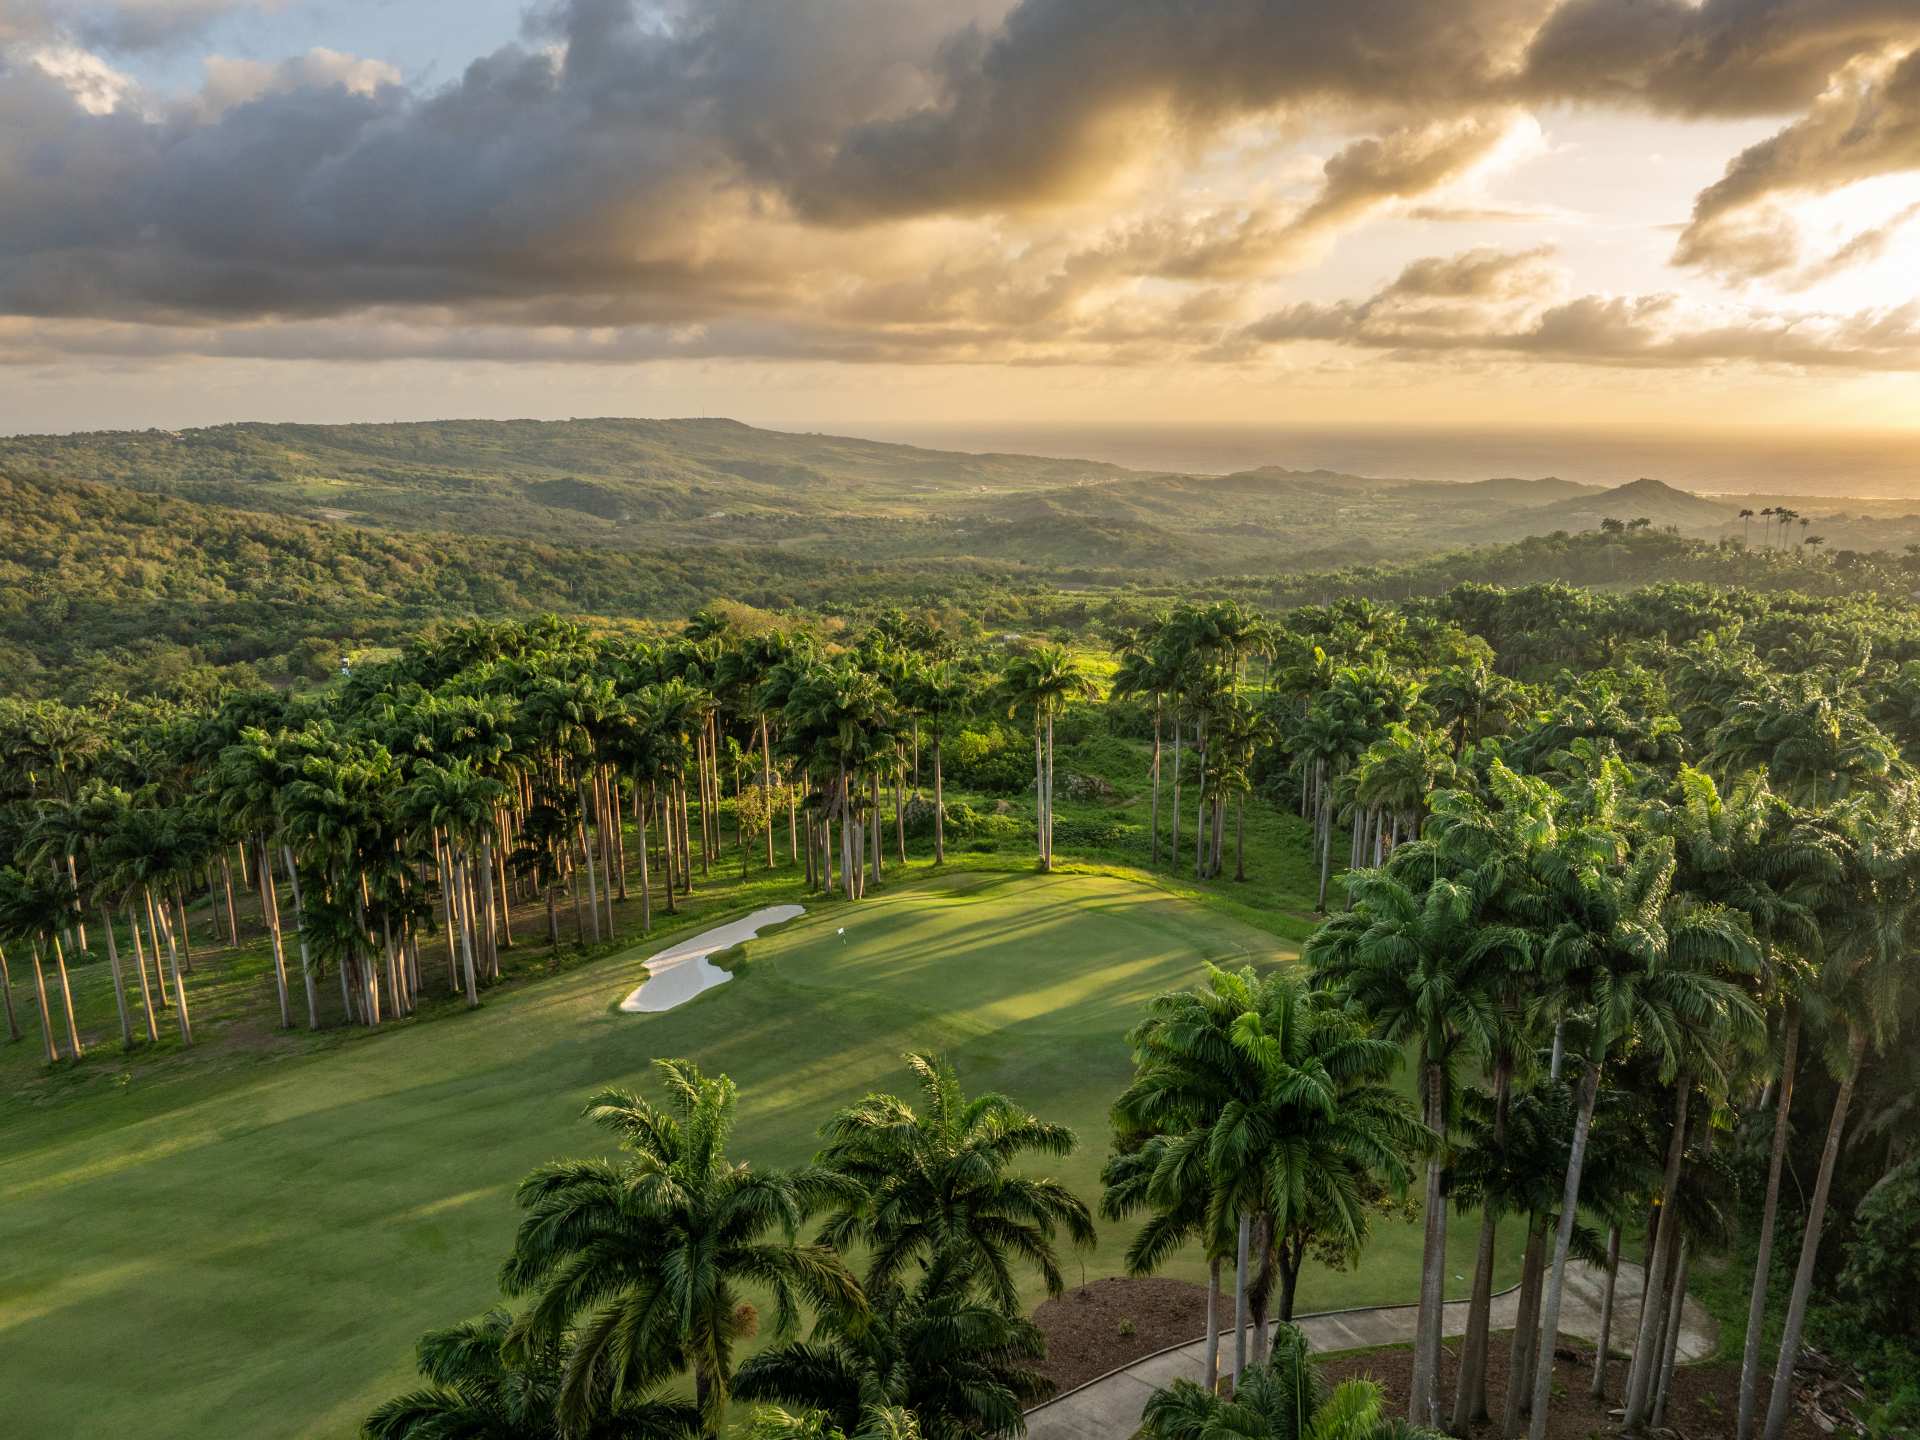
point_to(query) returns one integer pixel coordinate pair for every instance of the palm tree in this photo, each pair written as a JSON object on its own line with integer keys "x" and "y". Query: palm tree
{"x": 961, "y": 1365}
{"x": 887, "y": 1422}
{"x": 641, "y": 1262}
{"x": 1864, "y": 979}
{"x": 32, "y": 909}
{"x": 1629, "y": 958}
{"x": 1043, "y": 680}
{"x": 940, "y": 696}
{"x": 485, "y": 1385}
{"x": 1273, "y": 1105}
{"x": 1155, "y": 1173}
{"x": 459, "y": 802}
{"x": 933, "y": 1189}
{"x": 1428, "y": 970}
{"x": 1283, "y": 1398}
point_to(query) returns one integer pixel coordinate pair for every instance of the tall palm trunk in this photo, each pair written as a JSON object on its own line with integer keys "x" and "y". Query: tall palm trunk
{"x": 66, "y": 997}
{"x": 6, "y": 992}
{"x": 1049, "y": 860}
{"x": 1470, "y": 1401}
{"x": 1240, "y": 1299}
{"x": 1525, "y": 1326}
{"x": 140, "y": 965}
{"x": 458, "y": 871}
{"x": 1646, "y": 1354}
{"x": 1213, "y": 1324}
{"x": 1173, "y": 848}
{"x": 233, "y": 924}
{"x": 1670, "y": 1338}
{"x": 1422, "y": 1400}
{"x": 46, "y": 1011}
{"x": 300, "y": 934}
{"x": 1562, "y": 1242}
{"x": 1039, "y": 795}
{"x": 173, "y": 960}
{"x": 586, "y": 856}
{"x": 492, "y": 904}
{"x": 939, "y": 807}
{"x": 119, "y": 985}
{"x": 1810, "y": 1244}
{"x": 186, "y": 938}
{"x": 1603, "y": 1345}
{"x": 1153, "y": 813}
{"x": 766, "y": 784}
{"x": 270, "y": 912}
{"x": 1769, "y": 1213}
{"x": 646, "y": 879}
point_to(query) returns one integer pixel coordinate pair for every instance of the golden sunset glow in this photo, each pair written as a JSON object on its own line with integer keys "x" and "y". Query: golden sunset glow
{"x": 1553, "y": 212}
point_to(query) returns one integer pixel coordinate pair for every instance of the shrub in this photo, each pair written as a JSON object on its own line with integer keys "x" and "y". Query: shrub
{"x": 1882, "y": 1271}
{"x": 992, "y": 759}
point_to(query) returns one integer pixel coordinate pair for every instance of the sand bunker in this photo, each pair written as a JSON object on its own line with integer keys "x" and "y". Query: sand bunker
{"x": 682, "y": 971}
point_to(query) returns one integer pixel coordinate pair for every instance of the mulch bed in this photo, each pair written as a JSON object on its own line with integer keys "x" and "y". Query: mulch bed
{"x": 1703, "y": 1404}
{"x": 1100, "y": 1327}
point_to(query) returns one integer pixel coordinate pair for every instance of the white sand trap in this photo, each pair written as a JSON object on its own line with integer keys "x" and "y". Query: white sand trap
{"x": 679, "y": 973}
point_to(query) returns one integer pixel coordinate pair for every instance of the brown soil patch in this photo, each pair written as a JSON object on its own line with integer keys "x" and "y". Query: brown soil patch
{"x": 1703, "y": 1405}
{"x": 1100, "y": 1327}
{"x": 1110, "y": 1323}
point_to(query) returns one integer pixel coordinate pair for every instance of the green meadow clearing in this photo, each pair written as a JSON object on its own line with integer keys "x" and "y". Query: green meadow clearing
{"x": 251, "y": 1253}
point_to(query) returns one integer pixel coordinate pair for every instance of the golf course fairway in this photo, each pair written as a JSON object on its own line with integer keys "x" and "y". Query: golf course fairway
{"x": 253, "y": 1256}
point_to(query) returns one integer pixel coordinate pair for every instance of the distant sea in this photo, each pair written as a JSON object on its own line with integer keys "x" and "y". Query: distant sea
{"x": 1885, "y": 464}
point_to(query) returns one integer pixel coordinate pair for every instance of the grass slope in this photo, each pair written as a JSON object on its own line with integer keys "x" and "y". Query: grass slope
{"x": 251, "y": 1250}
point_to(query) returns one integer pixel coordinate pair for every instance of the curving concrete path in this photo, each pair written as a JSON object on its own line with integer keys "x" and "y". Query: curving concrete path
{"x": 682, "y": 971}
{"x": 1109, "y": 1408}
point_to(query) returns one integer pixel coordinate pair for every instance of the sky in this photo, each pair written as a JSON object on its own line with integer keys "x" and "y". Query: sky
{"x": 1678, "y": 215}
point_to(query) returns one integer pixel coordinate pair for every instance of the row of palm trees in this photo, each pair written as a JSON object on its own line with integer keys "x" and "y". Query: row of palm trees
{"x": 488, "y": 767}
{"x": 1580, "y": 909}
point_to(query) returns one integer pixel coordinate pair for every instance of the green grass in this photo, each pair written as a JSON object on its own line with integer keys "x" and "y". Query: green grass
{"x": 250, "y": 1249}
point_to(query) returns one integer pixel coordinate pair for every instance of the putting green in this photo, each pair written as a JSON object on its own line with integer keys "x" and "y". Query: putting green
{"x": 256, "y": 1256}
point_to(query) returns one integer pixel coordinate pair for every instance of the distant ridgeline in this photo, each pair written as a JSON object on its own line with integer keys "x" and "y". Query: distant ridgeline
{"x": 155, "y": 560}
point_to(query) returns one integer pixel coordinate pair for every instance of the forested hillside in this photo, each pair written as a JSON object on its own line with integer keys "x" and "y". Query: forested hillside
{"x": 672, "y": 484}
{"x": 107, "y": 588}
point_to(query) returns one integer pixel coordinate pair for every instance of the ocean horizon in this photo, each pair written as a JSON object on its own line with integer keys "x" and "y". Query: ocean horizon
{"x": 1882, "y": 465}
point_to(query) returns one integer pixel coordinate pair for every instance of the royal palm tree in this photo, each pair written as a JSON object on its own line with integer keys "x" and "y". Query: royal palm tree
{"x": 1428, "y": 970}
{"x": 484, "y": 1386}
{"x": 962, "y": 1365}
{"x": 1283, "y": 1398}
{"x": 933, "y": 1190}
{"x": 1864, "y": 979}
{"x": 1042, "y": 681}
{"x": 1629, "y": 958}
{"x": 459, "y": 802}
{"x": 639, "y": 1263}
{"x": 1276, "y": 1107}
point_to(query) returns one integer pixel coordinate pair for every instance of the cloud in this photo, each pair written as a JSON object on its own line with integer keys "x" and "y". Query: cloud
{"x": 118, "y": 25}
{"x": 1867, "y": 124}
{"x": 874, "y": 178}
{"x": 1703, "y": 58}
{"x": 1507, "y": 304}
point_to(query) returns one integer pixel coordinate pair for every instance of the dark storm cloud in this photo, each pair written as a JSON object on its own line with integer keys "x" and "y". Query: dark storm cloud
{"x": 746, "y": 168}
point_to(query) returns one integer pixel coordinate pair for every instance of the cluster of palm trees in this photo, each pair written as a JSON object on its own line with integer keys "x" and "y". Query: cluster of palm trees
{"x": 490, "y": 766}
{"x": 638, "y": 1271}
{"x": 1545, "y": 904}
{"x": 1192, "y": 666}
